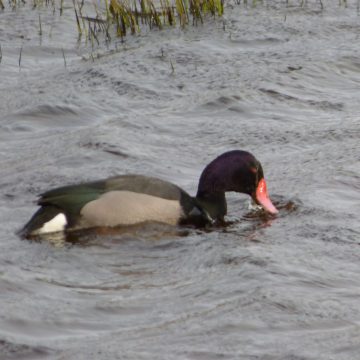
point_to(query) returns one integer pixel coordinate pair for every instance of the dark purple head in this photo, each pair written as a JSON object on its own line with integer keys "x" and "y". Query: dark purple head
{"x": 236, "y": 171}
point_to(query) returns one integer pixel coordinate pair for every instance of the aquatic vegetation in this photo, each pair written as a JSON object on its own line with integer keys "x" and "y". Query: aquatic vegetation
{"x": 127, "y": 16}
{"x": 131, "y": 15}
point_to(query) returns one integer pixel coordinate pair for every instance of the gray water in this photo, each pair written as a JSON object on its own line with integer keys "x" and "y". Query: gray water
{"x": 281, "y": 82}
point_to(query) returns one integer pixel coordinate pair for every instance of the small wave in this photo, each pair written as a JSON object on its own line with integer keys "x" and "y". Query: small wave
{"x": 47, "y": 116}
{"x": 47, "y": 110}
{"x": 108, "y": 148}
{"x": 232, "y": 103}
{"x": 10, "y": 350}
{"x": 323, "y": 104}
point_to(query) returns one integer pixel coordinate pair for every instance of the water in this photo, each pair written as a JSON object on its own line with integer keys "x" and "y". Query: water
{"x": 279, "y": 82}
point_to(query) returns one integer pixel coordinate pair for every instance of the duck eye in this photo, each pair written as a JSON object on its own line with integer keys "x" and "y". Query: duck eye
{"x": 255, "y": 170}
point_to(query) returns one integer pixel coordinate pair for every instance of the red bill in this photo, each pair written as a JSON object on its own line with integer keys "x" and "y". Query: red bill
{"x": 262, "y": 198}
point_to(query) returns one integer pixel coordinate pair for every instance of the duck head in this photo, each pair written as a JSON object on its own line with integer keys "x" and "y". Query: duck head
{"x": 237, "y": 171}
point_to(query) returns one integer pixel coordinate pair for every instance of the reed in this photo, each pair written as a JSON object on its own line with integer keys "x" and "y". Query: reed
{"x": 77, "y": 19}
{"x": 129, "y": 16}
{"x": 20, "y": 55}
{"x": 124, "y": 16}
{"x": 63, "y": 53}
{"x": 172, "y": 68}
{"x": 40, "y": 27}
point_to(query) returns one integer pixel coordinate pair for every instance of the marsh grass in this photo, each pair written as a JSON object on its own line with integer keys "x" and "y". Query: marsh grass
{"x": 63, "y": 54}
{"x": 20, "y": 56}
{"x": 40, "y": 27}
{"x": 34, "y": 3}
{"x": 130, "y": 16}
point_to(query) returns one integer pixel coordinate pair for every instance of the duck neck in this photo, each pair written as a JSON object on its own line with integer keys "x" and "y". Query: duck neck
{"x": 214, "y": 204}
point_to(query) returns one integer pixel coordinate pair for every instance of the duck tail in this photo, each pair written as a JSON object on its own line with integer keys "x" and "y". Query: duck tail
{"x": 44, "y": 215}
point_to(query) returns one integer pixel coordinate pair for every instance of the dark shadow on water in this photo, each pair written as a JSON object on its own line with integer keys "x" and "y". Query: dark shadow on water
{"x": 107, "y": 236}
{"x": 10, "y": 350}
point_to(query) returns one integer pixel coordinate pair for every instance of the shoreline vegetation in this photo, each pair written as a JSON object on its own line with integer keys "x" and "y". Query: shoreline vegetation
{"x": 123, "y": 17}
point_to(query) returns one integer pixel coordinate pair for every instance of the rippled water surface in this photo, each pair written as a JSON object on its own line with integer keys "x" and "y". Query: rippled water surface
{"x": 281, "y": 82}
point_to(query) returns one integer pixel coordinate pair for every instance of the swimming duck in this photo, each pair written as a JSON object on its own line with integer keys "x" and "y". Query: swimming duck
{"x": 132, "y": 199}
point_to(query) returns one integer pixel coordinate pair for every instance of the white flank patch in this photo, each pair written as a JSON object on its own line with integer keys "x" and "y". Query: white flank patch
{"x": 57, "y": 223}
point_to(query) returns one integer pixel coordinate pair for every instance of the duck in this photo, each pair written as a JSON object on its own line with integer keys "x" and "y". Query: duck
{"x": 125, "y": 200}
